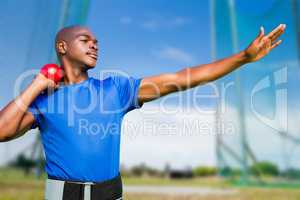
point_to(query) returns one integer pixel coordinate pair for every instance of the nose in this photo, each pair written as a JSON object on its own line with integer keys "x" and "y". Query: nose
{"x": 94, "y": 46}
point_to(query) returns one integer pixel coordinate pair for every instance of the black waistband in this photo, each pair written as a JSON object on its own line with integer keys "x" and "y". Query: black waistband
{"x": 106, "y": 182}
{"x": 109, "y": 189}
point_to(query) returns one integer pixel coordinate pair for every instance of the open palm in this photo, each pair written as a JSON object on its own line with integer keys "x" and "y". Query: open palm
{"x": 263, "y": 44}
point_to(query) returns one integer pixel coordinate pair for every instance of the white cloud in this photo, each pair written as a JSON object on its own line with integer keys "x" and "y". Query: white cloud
{"x": 178, "y": 21}
{"x": 174, "y": 54}
{"x": 180, "y": 146}
{"x": 156, "y": 23}
{"x": 190, "y": 147}
{"x": 125, "y": 20}
{"x": 151, "y": 25}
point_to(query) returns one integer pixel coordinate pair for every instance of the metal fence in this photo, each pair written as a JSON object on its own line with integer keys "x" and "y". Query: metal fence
{"x": 259, "y": 104}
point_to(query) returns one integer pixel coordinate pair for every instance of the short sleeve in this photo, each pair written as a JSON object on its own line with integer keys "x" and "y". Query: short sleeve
{"x": 34, "y": 110}
{"x": 128, "y": 88}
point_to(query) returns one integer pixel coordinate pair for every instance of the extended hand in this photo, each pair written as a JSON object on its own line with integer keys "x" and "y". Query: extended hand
{"x": 263, "y": 44}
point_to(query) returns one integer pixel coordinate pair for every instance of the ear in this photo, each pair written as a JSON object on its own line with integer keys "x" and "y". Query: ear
{"x": 61, "y": 47}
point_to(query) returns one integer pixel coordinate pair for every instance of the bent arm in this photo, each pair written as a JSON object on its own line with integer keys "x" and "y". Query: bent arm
{"x": 14, "y": 118}
{"x": 24, "y": 126}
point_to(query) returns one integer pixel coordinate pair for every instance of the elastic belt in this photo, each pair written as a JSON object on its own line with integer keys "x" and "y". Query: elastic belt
{"x": 102, "y": 183}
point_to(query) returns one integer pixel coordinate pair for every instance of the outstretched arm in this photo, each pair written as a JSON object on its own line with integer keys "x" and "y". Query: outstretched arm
{"x": 157, "y": 86}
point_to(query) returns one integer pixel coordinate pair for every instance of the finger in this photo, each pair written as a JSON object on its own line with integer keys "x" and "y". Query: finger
{"x": 274, "y": 31}
{"x": 277, "y": 35}
{"x": 276, "y": 44}
{"x": 273, "y": 35}
{"x": 261, "y": 33}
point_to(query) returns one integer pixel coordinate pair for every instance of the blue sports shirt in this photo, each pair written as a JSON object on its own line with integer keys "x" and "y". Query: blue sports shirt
{"x": 80, "y": 127}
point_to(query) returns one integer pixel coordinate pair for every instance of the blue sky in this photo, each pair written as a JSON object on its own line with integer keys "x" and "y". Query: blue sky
{"x": 151, "y": 37}
{"x": 144, "y": 38}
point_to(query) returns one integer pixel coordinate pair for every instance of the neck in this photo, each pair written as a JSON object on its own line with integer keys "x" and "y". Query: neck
{"x": 74, "y": 73}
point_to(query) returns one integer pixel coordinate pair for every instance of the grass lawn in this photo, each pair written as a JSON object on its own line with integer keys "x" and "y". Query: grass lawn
{"x": 15, "y": 186}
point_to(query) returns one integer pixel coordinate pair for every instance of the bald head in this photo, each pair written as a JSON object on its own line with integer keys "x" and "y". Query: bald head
{"x": 68, "y": 33}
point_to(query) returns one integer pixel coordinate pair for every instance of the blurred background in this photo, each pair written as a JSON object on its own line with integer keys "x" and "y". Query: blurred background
{"x": 236, "y": 138}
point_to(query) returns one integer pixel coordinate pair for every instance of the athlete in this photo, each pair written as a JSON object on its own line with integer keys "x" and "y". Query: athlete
{"x": 80, "y": 118}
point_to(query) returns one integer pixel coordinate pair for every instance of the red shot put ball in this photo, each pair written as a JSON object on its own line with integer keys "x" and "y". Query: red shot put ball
{"x": 52, "y": 71}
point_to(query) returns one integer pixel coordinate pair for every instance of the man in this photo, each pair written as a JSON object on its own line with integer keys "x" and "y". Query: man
{"x": 80, "y": 119}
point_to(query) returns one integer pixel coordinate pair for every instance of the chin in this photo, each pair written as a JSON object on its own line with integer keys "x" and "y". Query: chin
{"x": 90, "y": 64}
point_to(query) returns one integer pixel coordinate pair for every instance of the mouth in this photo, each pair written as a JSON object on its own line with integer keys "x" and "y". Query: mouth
{"x": 93, "y": 55}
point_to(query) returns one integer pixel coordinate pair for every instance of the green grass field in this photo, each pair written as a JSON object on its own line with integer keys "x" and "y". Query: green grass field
{"x": 15, "y": 186}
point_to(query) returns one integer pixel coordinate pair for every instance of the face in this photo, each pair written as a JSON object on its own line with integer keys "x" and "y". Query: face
{"x": 82, "y": 48}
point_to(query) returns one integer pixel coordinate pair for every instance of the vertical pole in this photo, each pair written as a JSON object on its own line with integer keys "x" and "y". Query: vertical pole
{"x": 296, "y": 15}
{"x": 214, "y": 57}
{"x": 240, "y": 106}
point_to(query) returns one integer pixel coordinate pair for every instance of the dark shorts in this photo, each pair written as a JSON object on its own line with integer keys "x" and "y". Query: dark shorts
{"x": 66, "y": 190}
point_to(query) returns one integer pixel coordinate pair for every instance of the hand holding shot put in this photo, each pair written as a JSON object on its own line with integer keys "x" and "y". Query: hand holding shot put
{"x": 14, "y": 119}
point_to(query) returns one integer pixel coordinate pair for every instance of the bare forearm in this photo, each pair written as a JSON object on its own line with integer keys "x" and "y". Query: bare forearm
{"x": 12, "y": 114}
{"x": 158, "y": 86}
{"x": 197, "y": 75}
